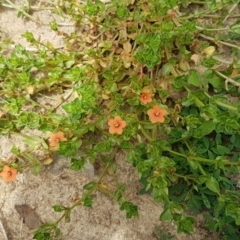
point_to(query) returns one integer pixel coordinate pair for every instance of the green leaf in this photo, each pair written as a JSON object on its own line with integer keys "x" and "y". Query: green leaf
{"x": 92, "y": 9}
{"x": 90, "y": 185}
{"x": 122, "y": 12}
{"x": 42, "y": 236}
{"x": 218, "y": 139}
{"x": 119, "y": 193}
{"x": 74, "y": 108}
{"x": 223, "y": 150}
{"x": 15, "y": 150}
{"x": 213, "y": 79}
{"x": 87, "y": 201}
{"x": 192, "y": 120}
{"x": 58, "y": 208}
{"x": 53, "y": 25}
{"x": 32, "y": 120}
{"x": 57, "y": 232}
{"x": 130, "y": 208}
{"x": 69, "y": 63}
{"x": 185, "y": 225}
{"x": 42, "y": 232}
{"x": 36, "y": 168}
{"x": 194, "y": 203}
{"x": 206, "y": 142}
{"x": 231, "y": 209}
{"x": 166, "y": 69}
{"x": 160, "y": 194}
{"x": 206, "y": 201}
{"x": 210, "y": 155}
{"x": 74, "y": 74}
{"x": 166, "y": 215}
{"x": 77, "y": 164}
{"x": 103, "y": 147}
{"x": 179, "y": 82}
{"x": 194, "y": 78}
{"x": 233, "y": 139}
{"x": 236, "y": 28}
{"x": 126, "y": 145}
{"x": 193, "y": 164}
{"x": 148, "y": 56}
{"x": 209, "y": 111}
{"x": 205, "y": 129}
{"x": 213, "y": 185}
{"x": 29, "y": 36}
{"x": 69, "y": 148}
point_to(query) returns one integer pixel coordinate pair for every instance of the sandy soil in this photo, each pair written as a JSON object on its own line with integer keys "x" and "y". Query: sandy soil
{"x": 57, "y": 184}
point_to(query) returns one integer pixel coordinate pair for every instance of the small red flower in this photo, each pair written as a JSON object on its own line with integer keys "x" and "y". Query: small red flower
{"x": 8, "y": 174}
{"x": 116, "y": 125}
{"x": 146, "y": 98}
{"x": 56, "y": 138}
{"x": 157, "y": 114}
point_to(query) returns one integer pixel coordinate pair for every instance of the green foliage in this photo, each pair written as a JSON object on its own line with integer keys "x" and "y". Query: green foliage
{"x": 130, "y": 208}
{"x": 188, "y": 160}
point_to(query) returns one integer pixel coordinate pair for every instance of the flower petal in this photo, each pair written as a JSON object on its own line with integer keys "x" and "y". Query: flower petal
{"x": 14, "y": 171}
{"x": 111, "y": 122}
{"x": 60, "y": 135}
{"x": 163, "y": 112}
{"x": 156, "y": 114}
{"x": 6, "y": 168}
{"x": 150, "y": 112}
{"x": 8, "y": 174}
{"x": 118, "y": 119}
{"x": 53, "y": 144}
{"x": 112, "y": 130}
{"x": 156, "y": 108}
{"x": 123, "y": 124}
{"x": 153, "y": 120}
{"x": 146, "y": 98}
{"x": 53, "y": 136}
{"x": 119, "y": 131}
{"x": 11, "y": 178}
{"x": 116, "y": 125}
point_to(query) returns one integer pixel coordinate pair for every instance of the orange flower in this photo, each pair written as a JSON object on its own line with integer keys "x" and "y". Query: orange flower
{"x": 116, "y": 125}
{"x": 146, "y": 98}
{"x": 56, "y": 138}
{"x": 157, "y": 114}
{"x": 8, "y": 174}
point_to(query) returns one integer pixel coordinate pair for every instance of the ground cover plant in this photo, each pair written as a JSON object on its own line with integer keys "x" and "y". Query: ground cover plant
{"x": 158, "y": 80}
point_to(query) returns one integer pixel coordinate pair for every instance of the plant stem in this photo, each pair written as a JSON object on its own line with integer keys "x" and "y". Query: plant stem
{"x": 181, "y": 176}
{"x": 222, "y": 104}
{"x": 90, "y": 192}
{"x": 201, "y": 169}
{"x": 212, "y": 29}
{"x": 227, "y": 80}
{"x": 230, "y": 11}
{"x": 218, "y": 16}
{"x": 11, "y": 5}
{"x": 105, "y": 191}
{"x": 154, "y": 132}
{"x": 221, "y": 42}
{"x": 145, "y": 134}
{"x": 199, "y": 159}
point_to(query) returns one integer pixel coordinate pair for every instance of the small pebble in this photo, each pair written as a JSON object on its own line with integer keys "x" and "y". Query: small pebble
{"x": 29, "y": 216}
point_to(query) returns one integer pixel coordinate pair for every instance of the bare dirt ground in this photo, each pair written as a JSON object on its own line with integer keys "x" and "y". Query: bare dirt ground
{"x": 56, "y": 184}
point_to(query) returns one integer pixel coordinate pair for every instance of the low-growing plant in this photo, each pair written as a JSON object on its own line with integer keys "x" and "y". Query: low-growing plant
{"x": 147, "y": 78}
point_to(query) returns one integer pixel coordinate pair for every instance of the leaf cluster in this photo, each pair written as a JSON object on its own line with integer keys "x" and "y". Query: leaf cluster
{"x": 122, "y": 49}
